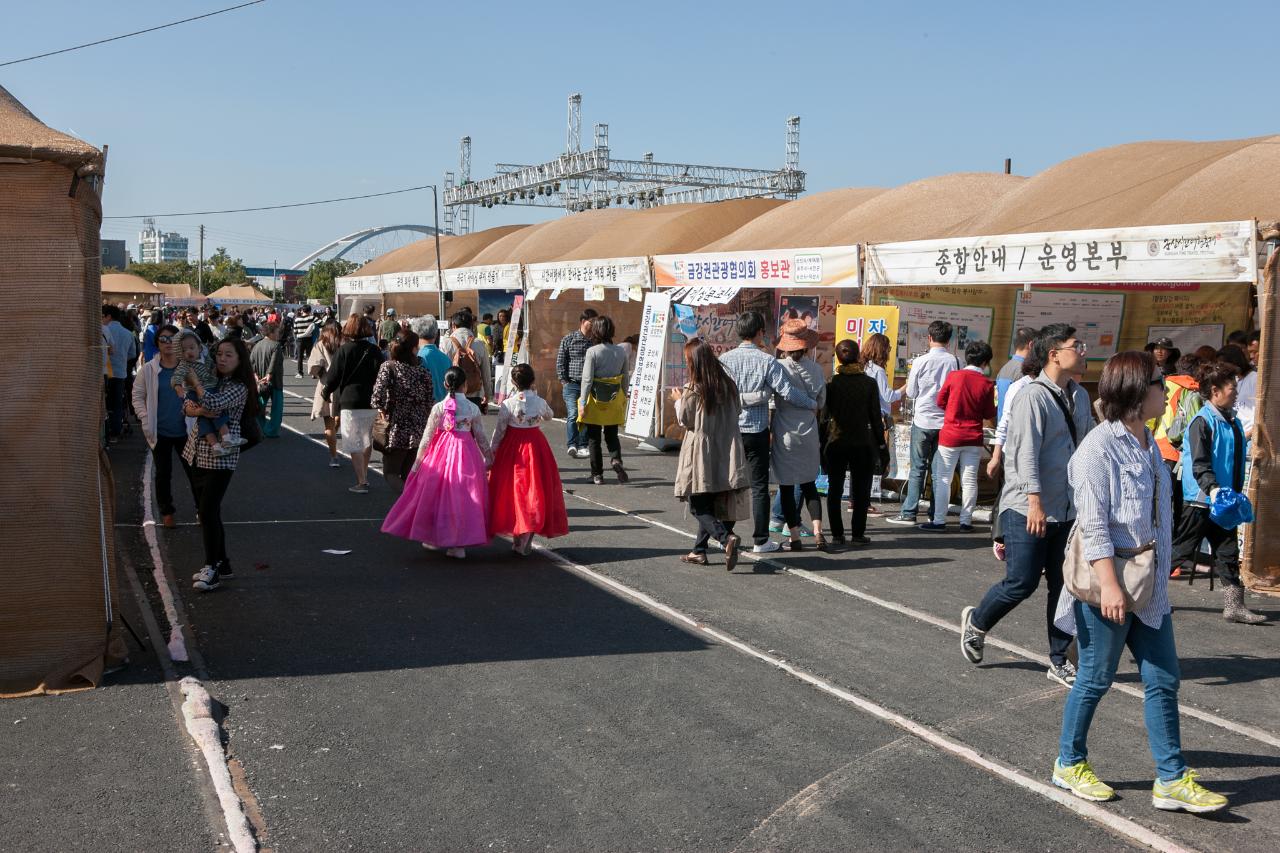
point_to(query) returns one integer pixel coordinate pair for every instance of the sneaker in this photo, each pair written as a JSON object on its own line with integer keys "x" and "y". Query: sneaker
{"x": 1080, "y": 780}
{"x": 972, "y": 641}
{"x": 623, "y": 476}
{"x": 768, "y": 546}
{"x": 204, "y": 570}
{"x": 997, "y": 548}
{"x": 221, "y": 450}
{"x": 901, "y": 519}
{"x": 571, "y": 452}
{"x": 456, "y": 553}
{"x": 359, "y": 489}
{"x": 334, "y": 463}
{"x": 206, "y": 580}
{"x": 597, "y": 480}
{"x": 932, "y": 526}
{"x": 860, "y": 540}
{"x": 1187, "y": 795}
{"x": 238, "y": 441}
{"x": 297, "y": 376}
{"x": 582, "y": 453}
{"x": 1063, "y": 673}
{"x": 966, "y": 528}
{"x": 806, "y": 533}
{"x": 777, "y": 527}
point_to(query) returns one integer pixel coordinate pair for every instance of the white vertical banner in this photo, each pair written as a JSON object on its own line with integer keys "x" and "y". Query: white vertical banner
{"x": 646, "y": 382}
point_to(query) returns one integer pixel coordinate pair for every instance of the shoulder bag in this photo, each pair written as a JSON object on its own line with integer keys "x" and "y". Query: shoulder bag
{"x": 1135, "y": 567}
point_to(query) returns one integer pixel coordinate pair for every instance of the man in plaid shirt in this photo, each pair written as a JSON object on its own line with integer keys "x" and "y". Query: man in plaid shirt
{"x": 573, "y": 349}
{"x": 759, "y": 376}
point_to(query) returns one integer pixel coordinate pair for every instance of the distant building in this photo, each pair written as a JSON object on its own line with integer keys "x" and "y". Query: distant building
{"x": 276, "y": 281}
{"x": 114, "y": 255}
{"x": 156, "y": 246}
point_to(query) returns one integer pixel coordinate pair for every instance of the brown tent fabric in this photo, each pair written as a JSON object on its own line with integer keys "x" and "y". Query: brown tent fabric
{"x": 420, "y": 255}
{"x": 672, "y": 229}
{"x": 178, "y": 291}
{"x": 57, "y": 623}
{"x": 120, "y": 285}
{"x": 793, "y": 225}
{"x": 231, "y": 294}
{"x": 25, "y": 137}
{"x": 548, "y": 241}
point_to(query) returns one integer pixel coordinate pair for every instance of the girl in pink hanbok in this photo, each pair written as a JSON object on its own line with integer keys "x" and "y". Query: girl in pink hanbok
{"x": 445, "y": 503}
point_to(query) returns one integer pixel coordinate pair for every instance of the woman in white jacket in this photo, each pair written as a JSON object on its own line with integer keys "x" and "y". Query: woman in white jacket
{"x": 159, "y": 411}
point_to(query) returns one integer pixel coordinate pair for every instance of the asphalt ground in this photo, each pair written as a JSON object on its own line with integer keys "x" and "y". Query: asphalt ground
{"x": 392, "y": 698}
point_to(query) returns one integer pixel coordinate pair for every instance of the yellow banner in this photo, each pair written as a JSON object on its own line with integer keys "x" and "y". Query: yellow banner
{"x": 859, "y": 322}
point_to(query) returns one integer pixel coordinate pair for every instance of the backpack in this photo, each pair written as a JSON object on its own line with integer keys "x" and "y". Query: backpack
{"x": 1185, "y": 404}
{"x": 464, "y": 358}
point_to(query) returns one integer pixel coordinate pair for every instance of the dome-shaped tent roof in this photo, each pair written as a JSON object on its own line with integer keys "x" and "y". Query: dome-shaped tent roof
{"x": 792, "y": 225}
{"x": 130, "y": 284}
{"x": 548, "y": 241}
{"x": 1144, "y": 183}
{"x": 455, "y": 250}
{"x": 24, "y": 136}
{"x": 672, "y": 229}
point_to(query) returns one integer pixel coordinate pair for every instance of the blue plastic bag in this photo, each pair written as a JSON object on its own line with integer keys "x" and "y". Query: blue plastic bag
{"x": 1230, "y": 509}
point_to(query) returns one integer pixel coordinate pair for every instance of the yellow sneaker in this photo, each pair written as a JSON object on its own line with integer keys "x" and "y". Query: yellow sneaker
{"x": 1187, "y": 795}
{"x": 1080, "y": 780}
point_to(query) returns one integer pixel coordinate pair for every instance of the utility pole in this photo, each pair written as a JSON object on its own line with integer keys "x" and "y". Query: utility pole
{"x": 275, "y": 280}
{"x": 435, "y": 205}
{"x": 200, "y": 269}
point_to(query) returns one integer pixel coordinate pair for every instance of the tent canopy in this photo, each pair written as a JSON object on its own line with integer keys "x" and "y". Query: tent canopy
{"x": 238, "y": 293}
{"x": 25, "y": 137}
{"x": 124, "y": 283}
{"x": 420, "y": 255}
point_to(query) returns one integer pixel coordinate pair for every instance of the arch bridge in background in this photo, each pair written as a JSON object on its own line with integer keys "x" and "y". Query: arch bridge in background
{"x": 344, "y": 245}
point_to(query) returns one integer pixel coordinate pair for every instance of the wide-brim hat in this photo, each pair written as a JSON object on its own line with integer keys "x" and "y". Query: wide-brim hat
{"x": 796, "y": 335}
{"x": 1165, "y": 343}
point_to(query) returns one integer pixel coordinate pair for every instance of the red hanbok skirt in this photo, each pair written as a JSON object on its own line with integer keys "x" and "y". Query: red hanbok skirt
{"x": 525, "y": 493}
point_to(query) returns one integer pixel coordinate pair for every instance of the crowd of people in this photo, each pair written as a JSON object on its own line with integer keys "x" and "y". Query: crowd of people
{"x": 1129, "y": 486}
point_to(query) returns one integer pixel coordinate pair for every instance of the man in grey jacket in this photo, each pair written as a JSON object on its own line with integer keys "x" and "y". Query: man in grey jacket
{"x": 1047, "y": 421}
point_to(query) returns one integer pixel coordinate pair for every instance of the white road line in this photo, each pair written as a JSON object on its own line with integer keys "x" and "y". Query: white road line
{"x": 1242, "y": 729}
{"x": 1120, "y": 825}
{"x": 177, "y": 645}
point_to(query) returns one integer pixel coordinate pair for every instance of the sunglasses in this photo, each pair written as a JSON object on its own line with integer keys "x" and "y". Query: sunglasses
{"x": 165, "y": 339}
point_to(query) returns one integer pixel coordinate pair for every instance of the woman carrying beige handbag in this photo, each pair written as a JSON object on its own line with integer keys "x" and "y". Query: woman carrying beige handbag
{"x": 1116, "y": 593}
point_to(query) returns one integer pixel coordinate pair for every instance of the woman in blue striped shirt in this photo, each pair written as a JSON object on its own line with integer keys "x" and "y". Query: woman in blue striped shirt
{"x": 1117, "y": 476}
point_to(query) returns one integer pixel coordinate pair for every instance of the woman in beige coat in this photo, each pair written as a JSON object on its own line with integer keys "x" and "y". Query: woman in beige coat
{"x": 318, "y": 366}
{"x": 712, "y": 472}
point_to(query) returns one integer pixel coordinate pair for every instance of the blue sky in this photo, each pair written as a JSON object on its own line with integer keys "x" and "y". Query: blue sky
{"x": 294, "y": 100}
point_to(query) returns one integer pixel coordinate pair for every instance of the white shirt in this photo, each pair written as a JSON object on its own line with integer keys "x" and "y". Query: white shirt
{"x": 888, "y": 396}
{"x": 928, "y": 372}
{"x": 522, "y": 410}
{"x": 1002, "y": 428}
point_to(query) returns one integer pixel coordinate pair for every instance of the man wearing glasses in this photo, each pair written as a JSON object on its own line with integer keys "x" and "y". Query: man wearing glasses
{"x": 1046, "y": 423}
{"x": 159, "y": 412}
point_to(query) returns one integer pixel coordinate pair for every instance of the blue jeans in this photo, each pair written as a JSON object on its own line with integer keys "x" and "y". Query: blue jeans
{"x": 924, "y": 446}
{"x": 573, "y": 437}
{"x": 1100, "y": 643}
{"x": 1028, "y": 557}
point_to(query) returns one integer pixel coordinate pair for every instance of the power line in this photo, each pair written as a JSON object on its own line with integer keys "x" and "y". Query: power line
{"x": 130, "y": 35}
{"x": 273, "y": 206}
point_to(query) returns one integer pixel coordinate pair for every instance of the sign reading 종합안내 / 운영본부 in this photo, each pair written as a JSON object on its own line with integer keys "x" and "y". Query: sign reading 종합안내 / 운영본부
{"x": 831, "y": 266}
{"x": 646, "y": 381}
{"x": 611, "y": 272}
{"x": 1210, "y": 252}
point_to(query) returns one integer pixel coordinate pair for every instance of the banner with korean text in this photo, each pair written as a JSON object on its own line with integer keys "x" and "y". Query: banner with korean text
{"x": 646, "y": 380}
{"x": 832, "y": 266}
{"x": 1204, "y": 252}
{"x": 358, "y": 285}
{"x": 624, "y": 273}
{"x": 425, "y": 281}
{"x": 494, "y": 277}
{"x": 859, "y": 322}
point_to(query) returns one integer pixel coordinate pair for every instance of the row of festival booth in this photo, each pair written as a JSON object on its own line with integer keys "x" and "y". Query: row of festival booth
{"x": 1120, "y": 287}
{"x": 128, "y": 288}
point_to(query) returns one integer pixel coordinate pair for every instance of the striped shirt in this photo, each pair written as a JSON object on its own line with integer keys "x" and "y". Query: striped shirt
{"x": 1112, "y": 479}
{"x": 759, "y": 376}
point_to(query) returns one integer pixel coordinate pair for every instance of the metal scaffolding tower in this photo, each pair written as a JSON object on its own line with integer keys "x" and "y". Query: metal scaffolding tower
{"x": 584, "y": 180}
{"x": 459, "y": 221}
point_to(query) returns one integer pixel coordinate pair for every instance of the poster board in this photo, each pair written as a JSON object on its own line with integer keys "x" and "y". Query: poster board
{"x": 1189, "y": 338}
{"x": 968, "y": 323}
{"x": 1096, "y": 315}
{"x": 646, "y": 381}
{"x": 859, "y": 322}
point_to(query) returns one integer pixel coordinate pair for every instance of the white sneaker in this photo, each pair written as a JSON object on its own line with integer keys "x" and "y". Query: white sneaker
{"x": 571, "y": 451}
{"x": 207, "y": 580}
{"x": 457, "y": 553}
{"x": 334, "y": 463}
{"x": 767, "y": 547}
{"x": 582, "y": 453}
{"x": 297, "y": 376}
{"x": 238, "y": 441}
{"x": 203, "y": 571}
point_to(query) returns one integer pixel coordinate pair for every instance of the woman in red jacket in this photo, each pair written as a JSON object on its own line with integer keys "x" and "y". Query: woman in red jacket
{"x": 967, "y": 398}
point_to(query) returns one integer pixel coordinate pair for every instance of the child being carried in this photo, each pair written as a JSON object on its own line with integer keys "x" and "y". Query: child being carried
{"x": 212, "y": 431}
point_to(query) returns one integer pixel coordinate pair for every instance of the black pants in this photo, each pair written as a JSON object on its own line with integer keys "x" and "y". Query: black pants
{"x": 791, "y": 512}
{"x": 860, "y": 462}
{"x": 164, "y": 451}
{"x": 756, "y": 445}
{"x": 209, "y": 486}
{"x": 1194, "y": 525}
{"x": 115, "y": 406}
{"x": 1177, "y": 496}
{"x": 304, "y": 352}
{"x": 709, "y": 526}
{"x": 396, "y": 462}
{"x": 610, "y": 434}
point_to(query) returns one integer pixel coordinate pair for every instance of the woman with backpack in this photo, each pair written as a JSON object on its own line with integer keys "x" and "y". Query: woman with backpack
{"x": 469, "y": 354}
{"x": 603, "y": 404}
